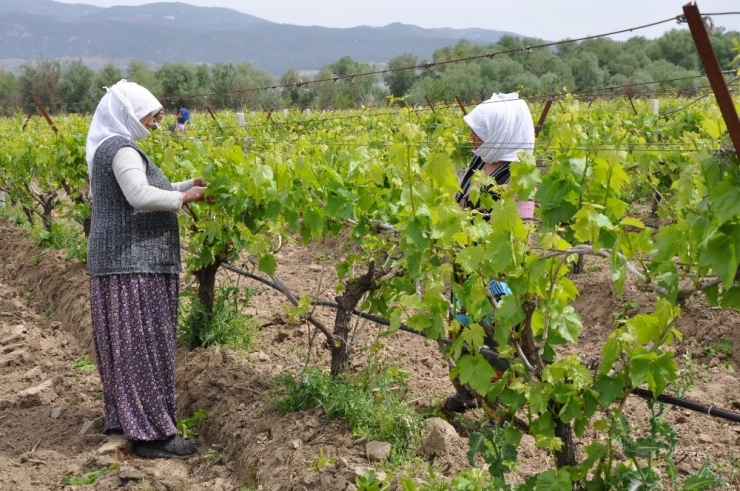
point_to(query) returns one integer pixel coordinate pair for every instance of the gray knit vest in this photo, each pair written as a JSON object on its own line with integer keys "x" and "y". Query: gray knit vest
{"x": 122, "y": 239}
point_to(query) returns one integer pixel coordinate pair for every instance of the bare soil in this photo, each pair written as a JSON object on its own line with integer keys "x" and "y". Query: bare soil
{"x": 51, "y": 412}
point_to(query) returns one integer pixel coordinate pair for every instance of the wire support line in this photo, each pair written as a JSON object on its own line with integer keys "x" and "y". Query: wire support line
{"x": 668, "y": 113}
{"x": 492, "y": 355}
{"x": 351, "y": 77}
{"x": 709, "y": 14}
{"x": 613, "y": 91}
{"x": 649, "y": 147}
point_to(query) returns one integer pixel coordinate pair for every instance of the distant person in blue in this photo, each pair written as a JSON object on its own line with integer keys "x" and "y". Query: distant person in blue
{"x": 500, "y": 128}
{"x": 183, "y": 116}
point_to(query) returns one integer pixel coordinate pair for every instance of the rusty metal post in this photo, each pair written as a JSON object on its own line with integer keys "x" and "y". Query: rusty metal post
{"x": 46, "y": 115}
{"x": 462, "y": 106}
{"x": 714, "y": 72}
{"x": 269, "y": 114}
{"x": 629, "y": 96}
{"x": 28, "y": 118}
{"x": 210, "y": 111}
{"x": 543, "y": 116}
{"x": 429, "y": 102}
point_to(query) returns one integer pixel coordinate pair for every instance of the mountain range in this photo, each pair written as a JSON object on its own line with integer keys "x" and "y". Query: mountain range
{"x": 169, "y": 32}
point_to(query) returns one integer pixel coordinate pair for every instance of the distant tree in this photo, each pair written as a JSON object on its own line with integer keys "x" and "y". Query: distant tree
{"x": 10, "y": 95}
{"x": 617, "y": 80}
{"x": 466, "y": 82}
{"x": 435, "y": 88}
{"x": 586, "y": 71}
{"x": 204, "y": 77}
{"x": 399, "y": 82}
{"x": 78, "y": 95}
{"x": 641, "y": 80}
{"x": 665, "y": 70}
{"x": 605, "y": 49}
{"x": 566, "y": 49}
{"x": 551, "y": 83}
{"x": 233, "y": 86}
{"x": 541, "y": 61}
{"x": 495, "y": 71}
{"x": 525, "y": 83}
{"x": 179, "y": 83}
{"x": 627, "y": 63}
{"x": 723, "y": 45}
{"x": 676, "y": 46}
{"x": 296, "y": 94}
{"x": 462, "y": 49}
{"x": 637, "y": 45}
{"x": 508, "y": 42}
{"x": 141, "y": 73}
{"x": 224, "y": 80}
{"x": 108, "y": 76}
{"x": 41, "y": 80}
{"x": 254, "y": 78}
{"x": 347, "y": 92}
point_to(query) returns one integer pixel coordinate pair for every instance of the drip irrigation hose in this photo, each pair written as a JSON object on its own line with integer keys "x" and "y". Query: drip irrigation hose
{"x": 693, "y": 406}
{"x": 492, "y": 356}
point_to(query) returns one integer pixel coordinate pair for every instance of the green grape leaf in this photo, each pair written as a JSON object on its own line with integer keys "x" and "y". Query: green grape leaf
{"x": 476, "y": 372}
{"x": 730, "y": 298}
{"x": 268, "y": 265}
{"x": 725, "y": 200}
{"x": 554, "y": 480}
{"x": 722, "y": 254}
{"x": 609, "y": 388}
{"x": 658, "y": 370}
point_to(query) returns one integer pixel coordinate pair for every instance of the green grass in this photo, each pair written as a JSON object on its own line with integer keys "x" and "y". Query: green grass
{"x": 63, "y": 236}
{"x": 226, "y": 327}
{"x": 371, "y": 401}
{"x": 84, "y": 364}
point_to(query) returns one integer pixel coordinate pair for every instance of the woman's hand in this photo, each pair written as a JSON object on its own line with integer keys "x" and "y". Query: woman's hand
{"x": 196, "y": 193}
{"x": 199, "y": 181}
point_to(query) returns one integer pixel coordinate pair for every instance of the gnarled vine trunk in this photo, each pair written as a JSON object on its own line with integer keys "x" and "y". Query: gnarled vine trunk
{"x": 206, "y": 277}
{"x": 353, "y": 293}
{"x": 568, "y": 453}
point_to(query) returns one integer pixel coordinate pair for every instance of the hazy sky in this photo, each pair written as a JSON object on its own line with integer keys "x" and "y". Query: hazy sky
{"x": 547, "y": 19}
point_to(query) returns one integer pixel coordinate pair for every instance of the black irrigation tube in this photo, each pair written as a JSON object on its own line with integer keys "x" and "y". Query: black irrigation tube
{"x": 493, "y": 356}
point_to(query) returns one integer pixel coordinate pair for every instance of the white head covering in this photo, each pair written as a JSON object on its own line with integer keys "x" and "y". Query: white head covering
{"x": 118, "y": 114}
{"x": 505, "y": 125}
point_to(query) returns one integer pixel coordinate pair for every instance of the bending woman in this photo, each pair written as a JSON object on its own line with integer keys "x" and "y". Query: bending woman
{"x": 500, "y": 128}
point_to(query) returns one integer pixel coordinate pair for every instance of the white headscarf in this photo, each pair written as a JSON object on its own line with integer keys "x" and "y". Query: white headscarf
{"x": 505, "y": 125}
{"x": 118, "y": 114}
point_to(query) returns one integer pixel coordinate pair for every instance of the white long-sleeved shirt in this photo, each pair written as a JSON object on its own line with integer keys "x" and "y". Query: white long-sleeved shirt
{"x": 130, "y": 173}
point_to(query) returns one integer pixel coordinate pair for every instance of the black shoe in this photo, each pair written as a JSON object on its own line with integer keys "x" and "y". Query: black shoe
{"x": 172, "y": 447}
{"x": 458, "y": 404}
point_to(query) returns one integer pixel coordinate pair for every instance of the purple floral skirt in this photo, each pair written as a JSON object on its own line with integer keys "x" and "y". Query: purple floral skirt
{"x": 134, "y": 320}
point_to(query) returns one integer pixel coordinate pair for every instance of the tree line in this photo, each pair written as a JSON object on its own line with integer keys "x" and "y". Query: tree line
{"x": 71, "y": 86}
